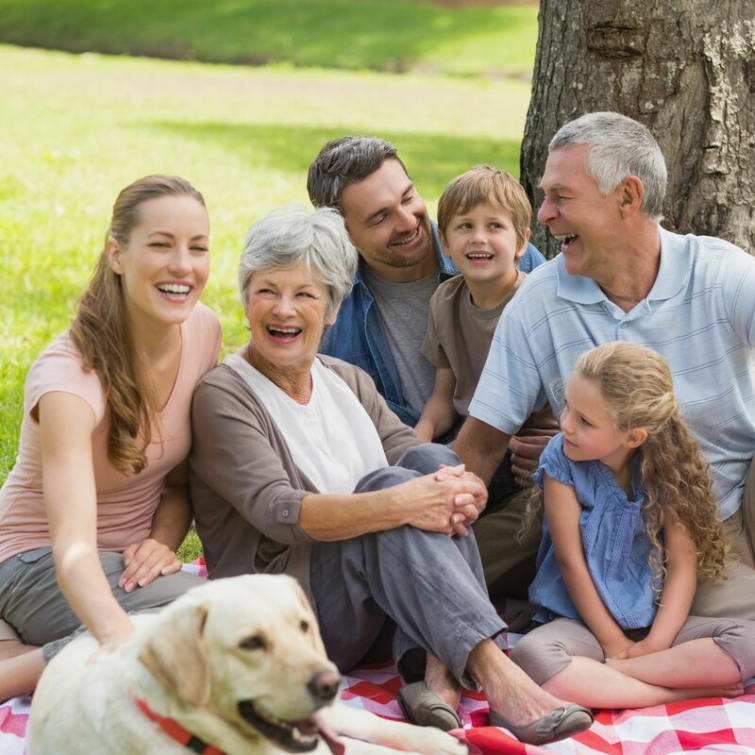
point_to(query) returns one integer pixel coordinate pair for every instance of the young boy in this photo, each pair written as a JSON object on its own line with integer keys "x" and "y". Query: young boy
{"x": 483, "y": 223}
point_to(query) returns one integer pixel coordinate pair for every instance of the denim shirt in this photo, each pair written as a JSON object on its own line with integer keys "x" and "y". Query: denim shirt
{"x": 614, "y": 537}
{"x": 358, "y": 335}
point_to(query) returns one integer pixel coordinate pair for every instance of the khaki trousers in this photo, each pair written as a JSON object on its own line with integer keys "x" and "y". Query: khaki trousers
{"x": 734, "y": 598}
{"x": 508, "y": 566}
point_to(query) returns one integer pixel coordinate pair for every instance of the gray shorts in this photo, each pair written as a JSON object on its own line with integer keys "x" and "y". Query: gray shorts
{"x": 32, "y": 603}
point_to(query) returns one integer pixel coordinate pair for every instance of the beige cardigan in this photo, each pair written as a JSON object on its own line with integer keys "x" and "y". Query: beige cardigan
{"x": 246, "y": 489}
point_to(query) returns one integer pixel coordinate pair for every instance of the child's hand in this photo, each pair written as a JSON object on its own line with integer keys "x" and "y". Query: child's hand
{"x": 643, "y": 647}
{"x": 618, "y": 651}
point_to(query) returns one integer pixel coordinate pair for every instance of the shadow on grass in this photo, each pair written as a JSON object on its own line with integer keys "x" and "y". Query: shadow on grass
{"x": 377, "y": 34}
{"x": 431, "y": 160}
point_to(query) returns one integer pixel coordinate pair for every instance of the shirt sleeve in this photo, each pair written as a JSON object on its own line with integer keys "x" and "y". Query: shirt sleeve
{"x": 59, "y": 369}
{"x": 554, "y": 463}
{"x": 510, "y": 387}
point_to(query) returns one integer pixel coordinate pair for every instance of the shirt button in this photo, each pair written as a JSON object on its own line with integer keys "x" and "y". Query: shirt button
{"x": 285, "y": 513}
{"x": 623, "y": 325}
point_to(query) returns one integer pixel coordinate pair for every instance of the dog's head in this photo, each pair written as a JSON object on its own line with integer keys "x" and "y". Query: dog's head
{"x": 249, "y": 649}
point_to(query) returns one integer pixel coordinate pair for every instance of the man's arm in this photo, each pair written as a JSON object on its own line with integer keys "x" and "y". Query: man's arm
{"x": 481, "y": 447}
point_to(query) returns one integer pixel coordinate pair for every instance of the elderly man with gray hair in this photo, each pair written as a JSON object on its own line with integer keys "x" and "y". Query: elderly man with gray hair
{"x": 622, "y": 277}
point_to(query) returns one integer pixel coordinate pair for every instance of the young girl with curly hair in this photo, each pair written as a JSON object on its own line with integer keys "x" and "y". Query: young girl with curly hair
{"x": 630, "y": 523}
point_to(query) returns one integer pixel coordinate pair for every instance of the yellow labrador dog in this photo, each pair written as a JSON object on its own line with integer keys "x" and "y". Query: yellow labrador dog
{"x": 235, "y": 666}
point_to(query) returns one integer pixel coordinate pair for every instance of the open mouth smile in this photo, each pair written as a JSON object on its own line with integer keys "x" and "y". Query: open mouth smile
{"x": 174, "y": 289}
{"x": 566, "y": 240}
{"x": 283, "y": 333}
{"x": 479, "y": 256}
{"x": 407, "y": 239}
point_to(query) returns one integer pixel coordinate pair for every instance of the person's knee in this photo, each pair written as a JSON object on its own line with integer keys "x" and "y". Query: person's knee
{"x": 426, "y": 458}
{"x": 381, "y": 479}
{"x": 540, "y": 660}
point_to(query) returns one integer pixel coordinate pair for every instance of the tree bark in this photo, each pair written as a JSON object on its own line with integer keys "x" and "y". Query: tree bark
{"x": 684, "y": 68}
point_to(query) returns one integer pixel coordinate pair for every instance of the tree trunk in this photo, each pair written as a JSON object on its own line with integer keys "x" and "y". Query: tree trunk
{"x": 684, "y": 68}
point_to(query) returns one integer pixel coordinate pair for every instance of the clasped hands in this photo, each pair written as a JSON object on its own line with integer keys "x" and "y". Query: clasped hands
{"x": 452, "y": 508}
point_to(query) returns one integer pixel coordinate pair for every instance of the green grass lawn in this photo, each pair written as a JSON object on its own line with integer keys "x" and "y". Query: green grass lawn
{"x": 75, "y": 129}
{"x": 385, "y": 35}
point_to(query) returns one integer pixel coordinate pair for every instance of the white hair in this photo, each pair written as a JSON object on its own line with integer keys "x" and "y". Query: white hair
{"x": 284, "y": 238}
{"x": 619, "y": 147}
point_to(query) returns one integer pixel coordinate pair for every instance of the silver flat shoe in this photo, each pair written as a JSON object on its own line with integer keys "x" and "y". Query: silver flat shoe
{"x": 423, "y": 707}
{"x": 560, "y": 723}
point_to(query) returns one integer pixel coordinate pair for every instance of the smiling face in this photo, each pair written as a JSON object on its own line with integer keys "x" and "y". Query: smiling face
{"x": 587, "y": 223}
{"x": 483, "y": 244}
{"x": 388, "y": 224}
{"x": 165, "y": 263}
{"x": 589, "y": 431}
{"x": 287, "y": 313}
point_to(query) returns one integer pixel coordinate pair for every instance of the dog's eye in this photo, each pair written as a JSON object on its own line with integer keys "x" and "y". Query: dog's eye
{"x": 255, "y": 642}
{"x": 304, "y": 626}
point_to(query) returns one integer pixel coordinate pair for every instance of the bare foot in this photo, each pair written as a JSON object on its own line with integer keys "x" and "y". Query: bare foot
{"x": 725, "y": 690}
{"x": 439, "y": 679}
{"x": 510, "y": 692}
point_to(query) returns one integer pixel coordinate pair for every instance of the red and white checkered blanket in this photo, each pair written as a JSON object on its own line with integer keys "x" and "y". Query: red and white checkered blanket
{"x": 724, "y": 727}
{"x": 703, "y": 726}
{"x": 715, "y": 725}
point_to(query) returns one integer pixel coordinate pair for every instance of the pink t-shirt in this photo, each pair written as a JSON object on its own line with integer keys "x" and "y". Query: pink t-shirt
{"x": 125, "y": 503}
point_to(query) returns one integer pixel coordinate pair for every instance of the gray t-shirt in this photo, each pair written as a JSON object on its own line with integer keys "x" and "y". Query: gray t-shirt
{"x": 404, "y": 308}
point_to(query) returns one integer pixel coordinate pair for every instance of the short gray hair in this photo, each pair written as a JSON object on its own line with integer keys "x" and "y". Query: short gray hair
{"x": 284, "y": 238}
{"x": 343, "y": 162}
{"x": 619, "y": 147}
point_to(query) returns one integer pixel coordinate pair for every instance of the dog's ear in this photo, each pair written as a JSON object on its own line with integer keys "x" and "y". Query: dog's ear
{"x": 316, "y": 638}
{"x": 177, "y": 657}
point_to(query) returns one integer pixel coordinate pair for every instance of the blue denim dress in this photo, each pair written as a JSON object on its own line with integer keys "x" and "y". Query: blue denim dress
{"x": 614, "y": 537}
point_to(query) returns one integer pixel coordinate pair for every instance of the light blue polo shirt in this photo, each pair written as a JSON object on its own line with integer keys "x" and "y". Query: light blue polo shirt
{"x": 699, "y": 315}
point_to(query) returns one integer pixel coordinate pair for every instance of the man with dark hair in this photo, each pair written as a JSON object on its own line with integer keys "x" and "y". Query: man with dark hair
{"x": 382, "y": 324}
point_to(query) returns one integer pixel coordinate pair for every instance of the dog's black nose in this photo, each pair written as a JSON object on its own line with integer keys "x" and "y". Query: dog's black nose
{"x": 323, "y": 686}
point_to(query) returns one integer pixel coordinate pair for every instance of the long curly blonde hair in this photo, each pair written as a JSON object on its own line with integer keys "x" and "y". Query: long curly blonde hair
{"x": 637, "y": 388}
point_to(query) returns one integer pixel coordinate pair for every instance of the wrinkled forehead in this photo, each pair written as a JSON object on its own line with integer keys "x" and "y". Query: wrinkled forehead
{"x": 565, "y": 167}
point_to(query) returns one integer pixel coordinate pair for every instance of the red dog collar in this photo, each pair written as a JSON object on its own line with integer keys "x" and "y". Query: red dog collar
{"x": 177, "y": 732}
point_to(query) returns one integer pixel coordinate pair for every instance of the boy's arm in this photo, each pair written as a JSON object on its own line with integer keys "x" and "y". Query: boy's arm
{"x": 439, "y": 415}
{"x": 562, "y": 511}
{"x": 677, "y": 594}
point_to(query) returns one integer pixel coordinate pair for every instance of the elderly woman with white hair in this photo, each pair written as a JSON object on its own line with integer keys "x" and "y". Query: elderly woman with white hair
{"x": 300, "y": 468}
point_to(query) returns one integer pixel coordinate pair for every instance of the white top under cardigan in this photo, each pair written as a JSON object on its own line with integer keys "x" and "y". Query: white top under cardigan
{"x": 332, "y": 439}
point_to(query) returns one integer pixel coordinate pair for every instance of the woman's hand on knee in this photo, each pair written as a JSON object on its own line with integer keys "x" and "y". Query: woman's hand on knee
{"x": 144, "y": 562}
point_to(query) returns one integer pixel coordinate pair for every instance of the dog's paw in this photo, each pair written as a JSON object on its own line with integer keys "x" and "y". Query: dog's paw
{"x": 437, "y": 742}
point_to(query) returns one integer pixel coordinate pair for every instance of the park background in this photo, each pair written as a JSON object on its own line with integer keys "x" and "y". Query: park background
{"x": 447, "y": 83}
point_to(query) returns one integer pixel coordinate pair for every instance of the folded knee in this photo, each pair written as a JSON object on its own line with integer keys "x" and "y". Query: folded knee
{"x": 540, "y": 660}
